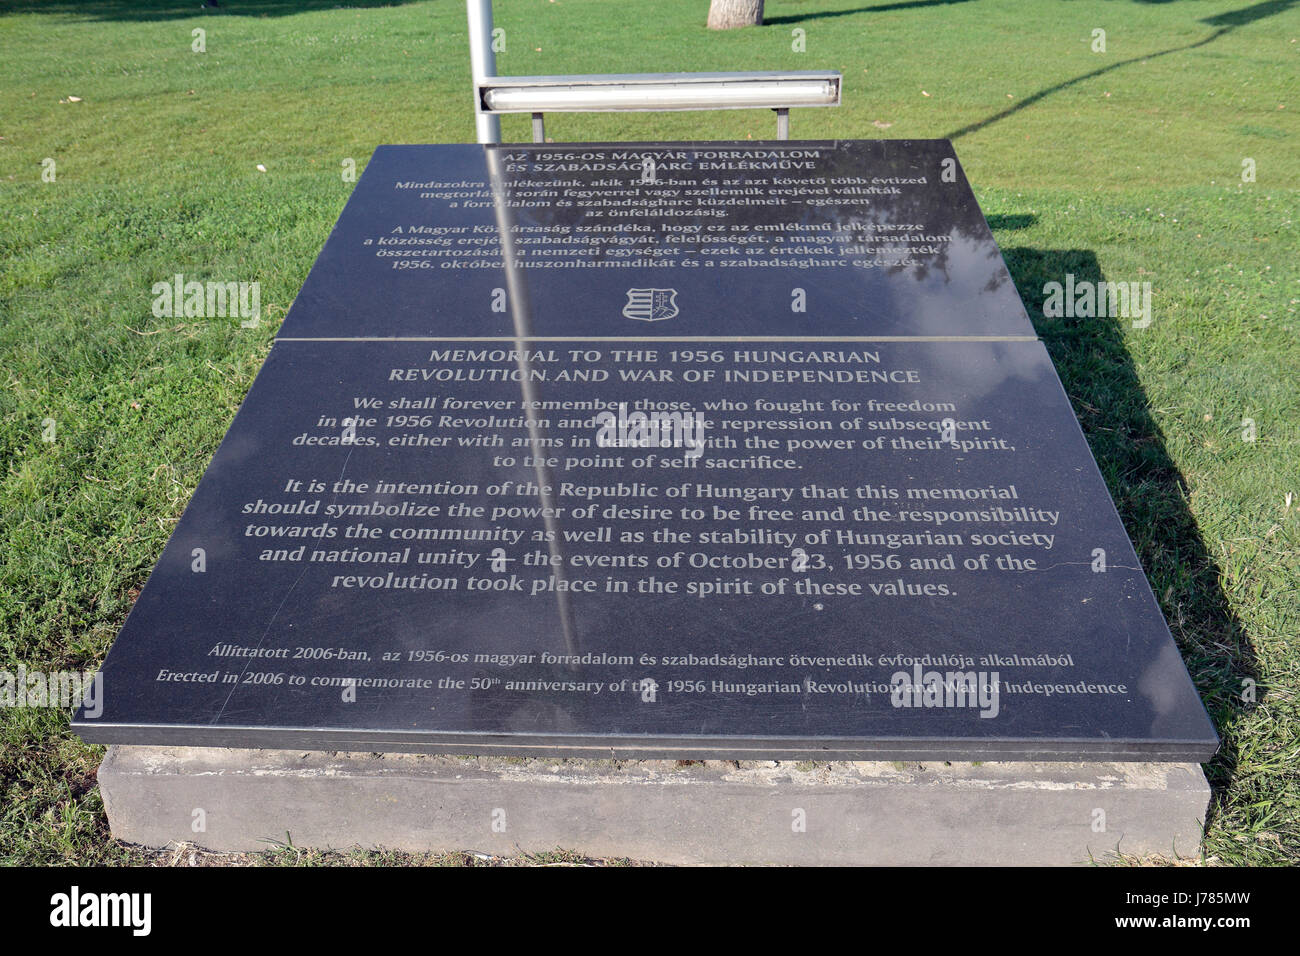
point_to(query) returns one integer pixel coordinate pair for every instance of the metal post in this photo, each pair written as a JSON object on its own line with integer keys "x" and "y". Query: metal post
{"x": 539, "y": 128}
{"x": 782, "y": 124}
{"x": 530, "y": 391}
{"x": 483, "y": 63}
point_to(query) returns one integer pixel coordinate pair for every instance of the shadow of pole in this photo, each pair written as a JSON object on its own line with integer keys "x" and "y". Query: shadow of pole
{"x": 1043, "y": 94}
{"x": 1226, "y": 23}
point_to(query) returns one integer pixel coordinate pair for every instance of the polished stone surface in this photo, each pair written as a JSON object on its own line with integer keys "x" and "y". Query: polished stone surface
{"x": 873, "y": 549}
{"x": 873, "y": 233}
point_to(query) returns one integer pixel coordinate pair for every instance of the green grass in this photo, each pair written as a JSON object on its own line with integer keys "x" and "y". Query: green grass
{"x": 1124, "y": 165}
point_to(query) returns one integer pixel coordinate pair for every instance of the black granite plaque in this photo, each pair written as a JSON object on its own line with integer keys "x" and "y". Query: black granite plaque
{"x": 882, "y": 238}
{"x": 832, "y": 504}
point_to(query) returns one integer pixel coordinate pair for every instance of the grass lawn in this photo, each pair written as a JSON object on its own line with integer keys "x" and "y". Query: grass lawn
{"x": 1125, "y": 164}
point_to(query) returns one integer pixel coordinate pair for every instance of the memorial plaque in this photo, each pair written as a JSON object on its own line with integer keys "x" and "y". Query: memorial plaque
{"x": 691, "y": 475}
{"x": 884, "y": 238}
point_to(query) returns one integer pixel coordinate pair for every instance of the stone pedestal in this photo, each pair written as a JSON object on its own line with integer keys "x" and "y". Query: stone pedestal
{"x": 716, "y": 812}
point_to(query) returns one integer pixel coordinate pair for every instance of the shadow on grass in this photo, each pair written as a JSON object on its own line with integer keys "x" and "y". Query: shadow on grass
{"x": 1238, "y": 18}
{"x": 1149, "y": 491}
{"x": 1226, "y": 23}
{"x": 876, "y": 8}
{"x": 143, "y": 10}
{"x": 1012, "y": 221}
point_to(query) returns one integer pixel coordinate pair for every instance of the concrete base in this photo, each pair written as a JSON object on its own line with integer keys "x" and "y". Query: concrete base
{"x": 716, "y": 812}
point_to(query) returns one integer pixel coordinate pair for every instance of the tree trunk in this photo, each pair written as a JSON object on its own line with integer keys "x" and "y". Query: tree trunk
{"x": 728, "y": 14}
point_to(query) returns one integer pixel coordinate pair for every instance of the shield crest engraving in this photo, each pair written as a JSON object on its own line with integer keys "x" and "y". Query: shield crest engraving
{"x": 650, "y": 305}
